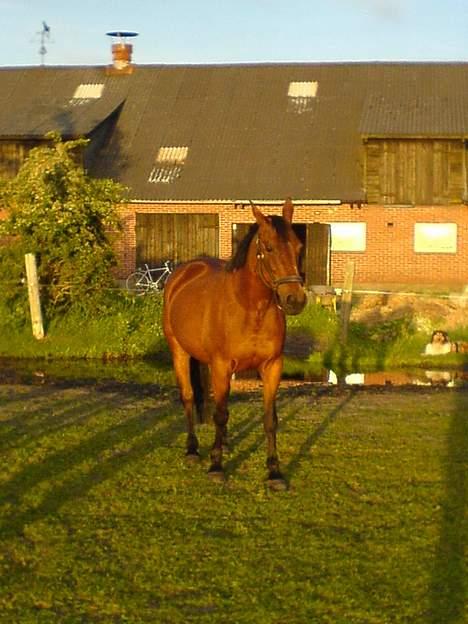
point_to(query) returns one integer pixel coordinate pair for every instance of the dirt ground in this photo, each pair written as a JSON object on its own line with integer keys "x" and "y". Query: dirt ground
{"x": 444, "y": 312}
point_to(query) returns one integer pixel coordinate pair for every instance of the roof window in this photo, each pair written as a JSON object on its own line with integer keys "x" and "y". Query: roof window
{"x": 301, "y": 96}
{"x": 86, "y": 92}
{"x": 168, "y": 164}
{"x": 303, "y": 89}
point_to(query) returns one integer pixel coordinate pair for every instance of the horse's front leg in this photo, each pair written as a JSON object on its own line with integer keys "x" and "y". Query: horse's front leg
{"x": 220, "y": 384}
{"x": 271, "y": 376}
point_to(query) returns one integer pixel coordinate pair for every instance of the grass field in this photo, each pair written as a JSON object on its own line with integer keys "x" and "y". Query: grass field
{"x": 103, "y": 521}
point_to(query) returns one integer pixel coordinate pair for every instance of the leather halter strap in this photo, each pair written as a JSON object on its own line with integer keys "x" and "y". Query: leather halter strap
{"x": 262, "y": 268}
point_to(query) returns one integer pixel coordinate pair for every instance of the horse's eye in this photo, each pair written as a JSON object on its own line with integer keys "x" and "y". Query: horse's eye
{"x": 269, "y": 248}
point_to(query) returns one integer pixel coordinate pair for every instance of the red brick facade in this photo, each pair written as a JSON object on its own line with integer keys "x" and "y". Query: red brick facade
{"x": 389, "y": 257}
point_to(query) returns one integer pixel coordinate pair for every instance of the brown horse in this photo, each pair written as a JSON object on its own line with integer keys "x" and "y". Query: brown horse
{"x": 231, "y": 316}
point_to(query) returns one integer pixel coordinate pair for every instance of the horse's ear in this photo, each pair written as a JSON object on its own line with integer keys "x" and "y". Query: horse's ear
{"x": 288, "y": 210}
{"x": 258, "y": 214}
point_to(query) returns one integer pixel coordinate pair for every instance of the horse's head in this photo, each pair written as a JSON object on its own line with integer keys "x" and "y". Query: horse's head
{"x": 277, "y": 257}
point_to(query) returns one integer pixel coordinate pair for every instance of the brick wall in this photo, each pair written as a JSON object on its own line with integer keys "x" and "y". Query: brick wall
{"x": 389, "y": 256}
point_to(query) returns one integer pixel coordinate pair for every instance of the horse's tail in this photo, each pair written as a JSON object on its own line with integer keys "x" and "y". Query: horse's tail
{"x": 200, "y": 379}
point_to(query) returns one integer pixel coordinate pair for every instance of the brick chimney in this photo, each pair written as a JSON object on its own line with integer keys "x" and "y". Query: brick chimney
{"x": 121, "y": 52}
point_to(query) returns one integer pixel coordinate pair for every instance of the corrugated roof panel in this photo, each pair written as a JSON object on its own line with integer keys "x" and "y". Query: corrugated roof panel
{"x": 175, "y": 155}
{"x": 88, "y": 91}
{"x": 412, "y": 114}
{"x": 243, "y": 139}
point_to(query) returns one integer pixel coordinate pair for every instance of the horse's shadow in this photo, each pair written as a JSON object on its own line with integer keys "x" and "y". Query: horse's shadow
{"x": 244, "y": 428}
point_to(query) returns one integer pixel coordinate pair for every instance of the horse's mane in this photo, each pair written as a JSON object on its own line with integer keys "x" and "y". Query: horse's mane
{"x": 238, "y": 260}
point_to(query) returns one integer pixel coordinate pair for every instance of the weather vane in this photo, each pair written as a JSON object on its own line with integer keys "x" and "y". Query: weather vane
{"x": 44, "y": 35}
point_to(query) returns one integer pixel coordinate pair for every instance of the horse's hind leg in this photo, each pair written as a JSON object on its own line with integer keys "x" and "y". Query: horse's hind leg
{"x": 220, "y": 382}
{"x": 271, "y": 375}
{"x": 200, "y": 379}
{"x": 181, "y": 361}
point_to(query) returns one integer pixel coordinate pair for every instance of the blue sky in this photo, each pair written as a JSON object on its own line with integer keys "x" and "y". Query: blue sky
{"x": 237, "y": 31}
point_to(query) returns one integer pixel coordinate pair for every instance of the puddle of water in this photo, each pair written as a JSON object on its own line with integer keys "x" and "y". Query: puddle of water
{"x": 418, "y": 377}
{"x": 157, "y": 372}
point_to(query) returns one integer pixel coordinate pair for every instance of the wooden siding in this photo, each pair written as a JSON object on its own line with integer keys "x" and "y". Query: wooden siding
{"x": 12, "y": 156}
{"x": 415, "y": 172}
{"x": 317, "y": 254}
{"x": 177, "y": 237}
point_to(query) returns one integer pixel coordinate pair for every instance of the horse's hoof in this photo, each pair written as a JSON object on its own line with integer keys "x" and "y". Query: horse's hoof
{"x": 216, "y": 475}
{"x": 192, "y": 458}
{"x": 277, "y": 484}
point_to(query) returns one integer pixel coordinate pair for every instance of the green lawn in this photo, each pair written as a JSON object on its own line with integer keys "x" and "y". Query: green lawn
{"x": 102, "y": 520}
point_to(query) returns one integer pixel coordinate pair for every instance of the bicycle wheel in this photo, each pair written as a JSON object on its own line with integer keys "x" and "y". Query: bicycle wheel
{"x": 138, "y": 283}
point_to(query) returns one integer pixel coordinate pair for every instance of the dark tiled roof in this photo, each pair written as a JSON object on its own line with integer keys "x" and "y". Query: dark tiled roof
{"x": 246, "y": 137}
{"x": 419, "y": 101}
{"x": 37, "y": 100}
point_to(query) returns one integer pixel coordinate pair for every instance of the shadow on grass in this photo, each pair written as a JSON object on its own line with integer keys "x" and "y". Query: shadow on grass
{"x": 244, "y": 428}
{"x": 243, "y": 431}
{"x": 449, "y": 586}
{"x": 102, "y": 449}
{"x": 40, "y": 421}
{"x": 304, "y": 450}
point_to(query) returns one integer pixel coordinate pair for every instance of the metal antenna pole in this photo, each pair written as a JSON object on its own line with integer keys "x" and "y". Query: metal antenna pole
{"x": 44, "y": 34}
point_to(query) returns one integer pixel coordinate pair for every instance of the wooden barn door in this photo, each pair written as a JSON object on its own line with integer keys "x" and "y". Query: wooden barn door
{"x": 177, "y": 237}
{"x": 317, "y": 257}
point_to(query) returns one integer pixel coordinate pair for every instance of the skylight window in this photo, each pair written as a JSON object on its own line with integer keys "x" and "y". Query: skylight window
{"x": 168, "y": 164}
{"x": 303, "y": 89}
{"x": 86, "y": 92}
{"x": 301, "y": 96}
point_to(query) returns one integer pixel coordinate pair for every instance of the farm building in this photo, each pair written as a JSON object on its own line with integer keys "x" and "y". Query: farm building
{"x": 374, "y": 155}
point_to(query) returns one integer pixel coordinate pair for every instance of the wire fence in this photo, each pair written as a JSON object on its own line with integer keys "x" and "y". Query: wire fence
{"x": 455, "y": 296}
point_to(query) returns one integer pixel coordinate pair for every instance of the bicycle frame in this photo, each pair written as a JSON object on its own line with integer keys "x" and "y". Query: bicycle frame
{"x": 146, "y": 279}
{"x": 162, "y": 272}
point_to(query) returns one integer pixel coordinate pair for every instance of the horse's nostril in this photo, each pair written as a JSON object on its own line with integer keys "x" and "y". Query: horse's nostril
{"x": 293, "y": 304}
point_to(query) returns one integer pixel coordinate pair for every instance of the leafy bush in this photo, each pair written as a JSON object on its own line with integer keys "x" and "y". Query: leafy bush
{"x": 57, "y": 212}
{"x": 316, "y": 323}
{"x": 121, "y": 326}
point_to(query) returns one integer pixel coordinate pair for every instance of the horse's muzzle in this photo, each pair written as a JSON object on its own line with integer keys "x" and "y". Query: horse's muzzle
{"x": 292, "y": 301}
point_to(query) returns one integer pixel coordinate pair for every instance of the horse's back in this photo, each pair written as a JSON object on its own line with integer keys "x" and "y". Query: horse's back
{"x": 192, "y": 278}
{"x": 190, "y": 297}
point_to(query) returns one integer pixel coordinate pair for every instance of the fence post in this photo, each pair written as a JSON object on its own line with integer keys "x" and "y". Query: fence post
{"x": 34, "y": 296}
{"x": 346, "y": 299}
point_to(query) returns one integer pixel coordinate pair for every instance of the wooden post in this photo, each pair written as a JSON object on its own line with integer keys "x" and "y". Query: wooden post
{"x": 346, "y": 299}
{"x": 34, "y": 296}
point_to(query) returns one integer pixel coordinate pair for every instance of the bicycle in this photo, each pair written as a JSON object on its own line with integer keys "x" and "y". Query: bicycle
{"x": 147, "y": 280}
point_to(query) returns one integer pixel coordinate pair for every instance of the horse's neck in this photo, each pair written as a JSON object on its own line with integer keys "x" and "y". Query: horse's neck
{"x": 249, "y": 287}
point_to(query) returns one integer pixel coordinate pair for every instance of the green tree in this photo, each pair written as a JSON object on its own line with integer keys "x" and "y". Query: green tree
{"x": 55, "y": 210}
